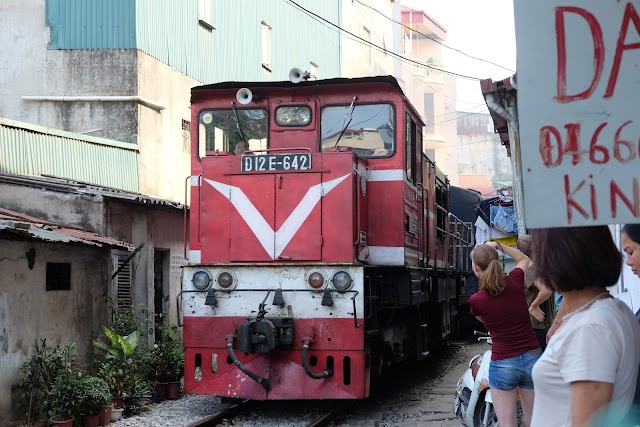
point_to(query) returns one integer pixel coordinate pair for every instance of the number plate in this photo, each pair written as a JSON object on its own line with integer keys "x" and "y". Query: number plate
{"x": 275, "y": 162}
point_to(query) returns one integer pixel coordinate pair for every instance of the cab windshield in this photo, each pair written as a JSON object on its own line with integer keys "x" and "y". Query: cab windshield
{"x": 219, "y": 130}
{"x": 368, "y": 129}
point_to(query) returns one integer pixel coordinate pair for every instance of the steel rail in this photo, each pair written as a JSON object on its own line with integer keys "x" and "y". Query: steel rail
{"x": 326, "y": 419}
{"x": 225, "y": 414}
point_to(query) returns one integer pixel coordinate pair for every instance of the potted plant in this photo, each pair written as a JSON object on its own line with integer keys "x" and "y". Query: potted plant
{"x": 117, "y": 364}
{"x": 169, "y": 359}
{"x": 66, "y": 399}
{"x": 95, "y": 395}
{"x": 36, "y": 377}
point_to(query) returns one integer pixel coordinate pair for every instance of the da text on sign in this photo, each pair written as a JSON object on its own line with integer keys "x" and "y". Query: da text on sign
{"x": 578, "y": 102}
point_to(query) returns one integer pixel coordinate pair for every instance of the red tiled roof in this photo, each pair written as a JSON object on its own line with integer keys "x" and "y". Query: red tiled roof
{"x": 478, "y": 182}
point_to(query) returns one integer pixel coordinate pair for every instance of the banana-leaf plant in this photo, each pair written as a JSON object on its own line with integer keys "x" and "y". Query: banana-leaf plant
{"x": 117, "y": 362}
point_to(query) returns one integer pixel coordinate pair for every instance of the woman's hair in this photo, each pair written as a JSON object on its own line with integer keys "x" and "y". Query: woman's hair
{"x": 633, "y": 231}
{"x": 492, "y": 279}
{"x": 576, "y": 258}
{"x": 525, "y": 244}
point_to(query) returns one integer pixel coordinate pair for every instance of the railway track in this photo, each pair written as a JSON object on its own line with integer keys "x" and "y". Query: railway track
{"x": 225, "y": 417}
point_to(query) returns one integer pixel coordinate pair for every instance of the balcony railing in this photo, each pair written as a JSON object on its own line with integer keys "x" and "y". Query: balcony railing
{"x": 428, "y": 75}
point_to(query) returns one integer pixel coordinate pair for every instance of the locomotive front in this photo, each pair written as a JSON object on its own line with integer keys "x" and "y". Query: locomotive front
{"x": 272, "y": 300}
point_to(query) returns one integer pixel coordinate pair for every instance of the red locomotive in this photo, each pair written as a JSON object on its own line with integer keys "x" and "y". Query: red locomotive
{"x": 322, "y": 248}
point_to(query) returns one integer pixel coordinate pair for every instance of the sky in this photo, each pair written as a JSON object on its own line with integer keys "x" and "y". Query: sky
{"x": 480, "y": 28}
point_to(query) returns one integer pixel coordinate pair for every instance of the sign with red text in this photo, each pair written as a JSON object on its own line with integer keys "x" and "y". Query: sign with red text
{"x": 579, "y": 111}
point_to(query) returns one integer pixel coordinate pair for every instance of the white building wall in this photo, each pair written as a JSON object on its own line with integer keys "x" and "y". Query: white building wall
{"x": 358, "y": 59}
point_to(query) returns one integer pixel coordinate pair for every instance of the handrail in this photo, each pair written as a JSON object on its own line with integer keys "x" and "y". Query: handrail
{"x": 463, "y": 241}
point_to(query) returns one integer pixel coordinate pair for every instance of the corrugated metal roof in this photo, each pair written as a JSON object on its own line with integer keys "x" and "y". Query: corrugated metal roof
{"x": 17, "y": 223}
{"x": 76, "y": 187}
{"x": 27, "y": 149}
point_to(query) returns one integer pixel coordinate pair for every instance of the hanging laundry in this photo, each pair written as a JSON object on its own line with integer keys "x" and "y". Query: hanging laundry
{"x": 503, "y": 218}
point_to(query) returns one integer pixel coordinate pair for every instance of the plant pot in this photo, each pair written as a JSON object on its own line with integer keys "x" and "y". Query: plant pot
{"x": 116, "y": 414}
{"x": 105, "y": 415}
{"x": 90, "y": 420}
{"x": 60, "y": 421}
{"x": 173, "y": 390}
{"x": 161, "y": 390}
{"x": 118, "y": 401}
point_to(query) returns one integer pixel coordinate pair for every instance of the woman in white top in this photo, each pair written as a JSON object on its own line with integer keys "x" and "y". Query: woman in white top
{"x": 587, "y": 374}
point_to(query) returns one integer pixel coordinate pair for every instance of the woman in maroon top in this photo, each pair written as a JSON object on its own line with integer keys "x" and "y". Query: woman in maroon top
{"x": 501, "y": 305}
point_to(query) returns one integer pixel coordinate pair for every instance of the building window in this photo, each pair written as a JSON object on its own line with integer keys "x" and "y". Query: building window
{"x": 205, "y": 14}
{"x": 58, "y": 276}
{"x": 367, "y": 37}
{"x": 266, "y": 45}
{"x": 313, "y": 71}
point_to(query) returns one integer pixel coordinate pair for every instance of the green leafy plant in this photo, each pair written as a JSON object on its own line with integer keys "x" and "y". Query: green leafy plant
{"x": 66, "y": 395}
{"x": 95, "y": 393}
{"x": 117, "y": 364}
{"x": 36, "y": 377}
{"x": 169, "y": 354}
{"x": 129, "y": 319}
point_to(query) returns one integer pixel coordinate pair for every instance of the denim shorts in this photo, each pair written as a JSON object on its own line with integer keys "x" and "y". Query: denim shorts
{"x": 507, "y": 374}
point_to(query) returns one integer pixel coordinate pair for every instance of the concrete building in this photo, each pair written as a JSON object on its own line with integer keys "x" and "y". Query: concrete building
{"x": 123, "y": 69}
{"x": 59, "y": 223}
{"x": 431, "y": 91}
{"x": 385, "y": 38}
{"x": 54, "y": 288}
{"x": 482, "y": 163}
{"x": 369, "y": 38}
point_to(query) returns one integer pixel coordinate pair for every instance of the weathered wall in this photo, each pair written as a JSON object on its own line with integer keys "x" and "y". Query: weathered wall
{"x": 23, "y": 43}
{"x": 164, "y": 152}
{"x": 62, "y": 208}
{"x": 159, "y": 228}
{"x": 97, "y": 72}
{"x": 29, "y": 313}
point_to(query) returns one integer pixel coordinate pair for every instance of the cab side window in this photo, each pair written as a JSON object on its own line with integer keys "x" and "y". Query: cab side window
{"x": 410, "y": 149}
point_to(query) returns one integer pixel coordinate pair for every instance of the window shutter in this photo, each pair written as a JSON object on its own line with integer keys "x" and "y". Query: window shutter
{"x": 122, "y": 284}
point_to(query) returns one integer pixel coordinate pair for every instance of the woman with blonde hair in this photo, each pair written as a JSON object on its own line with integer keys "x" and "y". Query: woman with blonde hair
{"x": 501, "y": 305}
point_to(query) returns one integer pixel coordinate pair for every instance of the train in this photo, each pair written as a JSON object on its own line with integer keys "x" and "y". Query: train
{"x": 322, "y": 248}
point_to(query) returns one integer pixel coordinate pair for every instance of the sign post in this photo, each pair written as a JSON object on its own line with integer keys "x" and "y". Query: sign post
{"x": 579, "y": 111}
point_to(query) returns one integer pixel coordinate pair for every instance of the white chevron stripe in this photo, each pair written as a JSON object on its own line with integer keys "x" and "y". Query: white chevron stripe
{"x": 275, "y": 242}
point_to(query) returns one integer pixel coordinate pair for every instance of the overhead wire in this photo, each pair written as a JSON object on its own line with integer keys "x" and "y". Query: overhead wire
{"x": 383, "y": 49}
{"x": 320, "y": 20}
{"x": 455, "y": 118}
{"x": 434, "y": 39}
{"x": 477, "y": 105}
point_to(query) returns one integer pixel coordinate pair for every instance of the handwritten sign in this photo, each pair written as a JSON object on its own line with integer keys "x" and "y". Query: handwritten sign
{"x": 579, "y": 111}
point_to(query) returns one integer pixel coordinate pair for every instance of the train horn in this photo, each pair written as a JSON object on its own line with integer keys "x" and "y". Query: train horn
{"x": 296, "y": 75}
{"x": 244, "y": 96}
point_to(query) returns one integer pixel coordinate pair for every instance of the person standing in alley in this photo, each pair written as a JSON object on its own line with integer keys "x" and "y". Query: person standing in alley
{"x": 541, "y": 307}
{"x": 501, "y": 305}
{"x": 587, "y": 374}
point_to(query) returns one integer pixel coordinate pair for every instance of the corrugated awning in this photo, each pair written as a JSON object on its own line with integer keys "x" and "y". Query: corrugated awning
{"x": 21, "y": 224}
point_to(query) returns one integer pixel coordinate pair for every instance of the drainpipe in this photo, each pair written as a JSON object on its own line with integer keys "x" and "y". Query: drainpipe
{"x": 497, "y": 108}
{"x": 100, "y": 98}
{"x": 510, "y": 114}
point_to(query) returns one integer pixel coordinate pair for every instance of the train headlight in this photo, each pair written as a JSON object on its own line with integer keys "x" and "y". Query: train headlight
{"x": 316, "y": 280}
{"x": 342, "y": 281}
{"x": 201, "y": 280}
{"x": 226, "y": 280}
